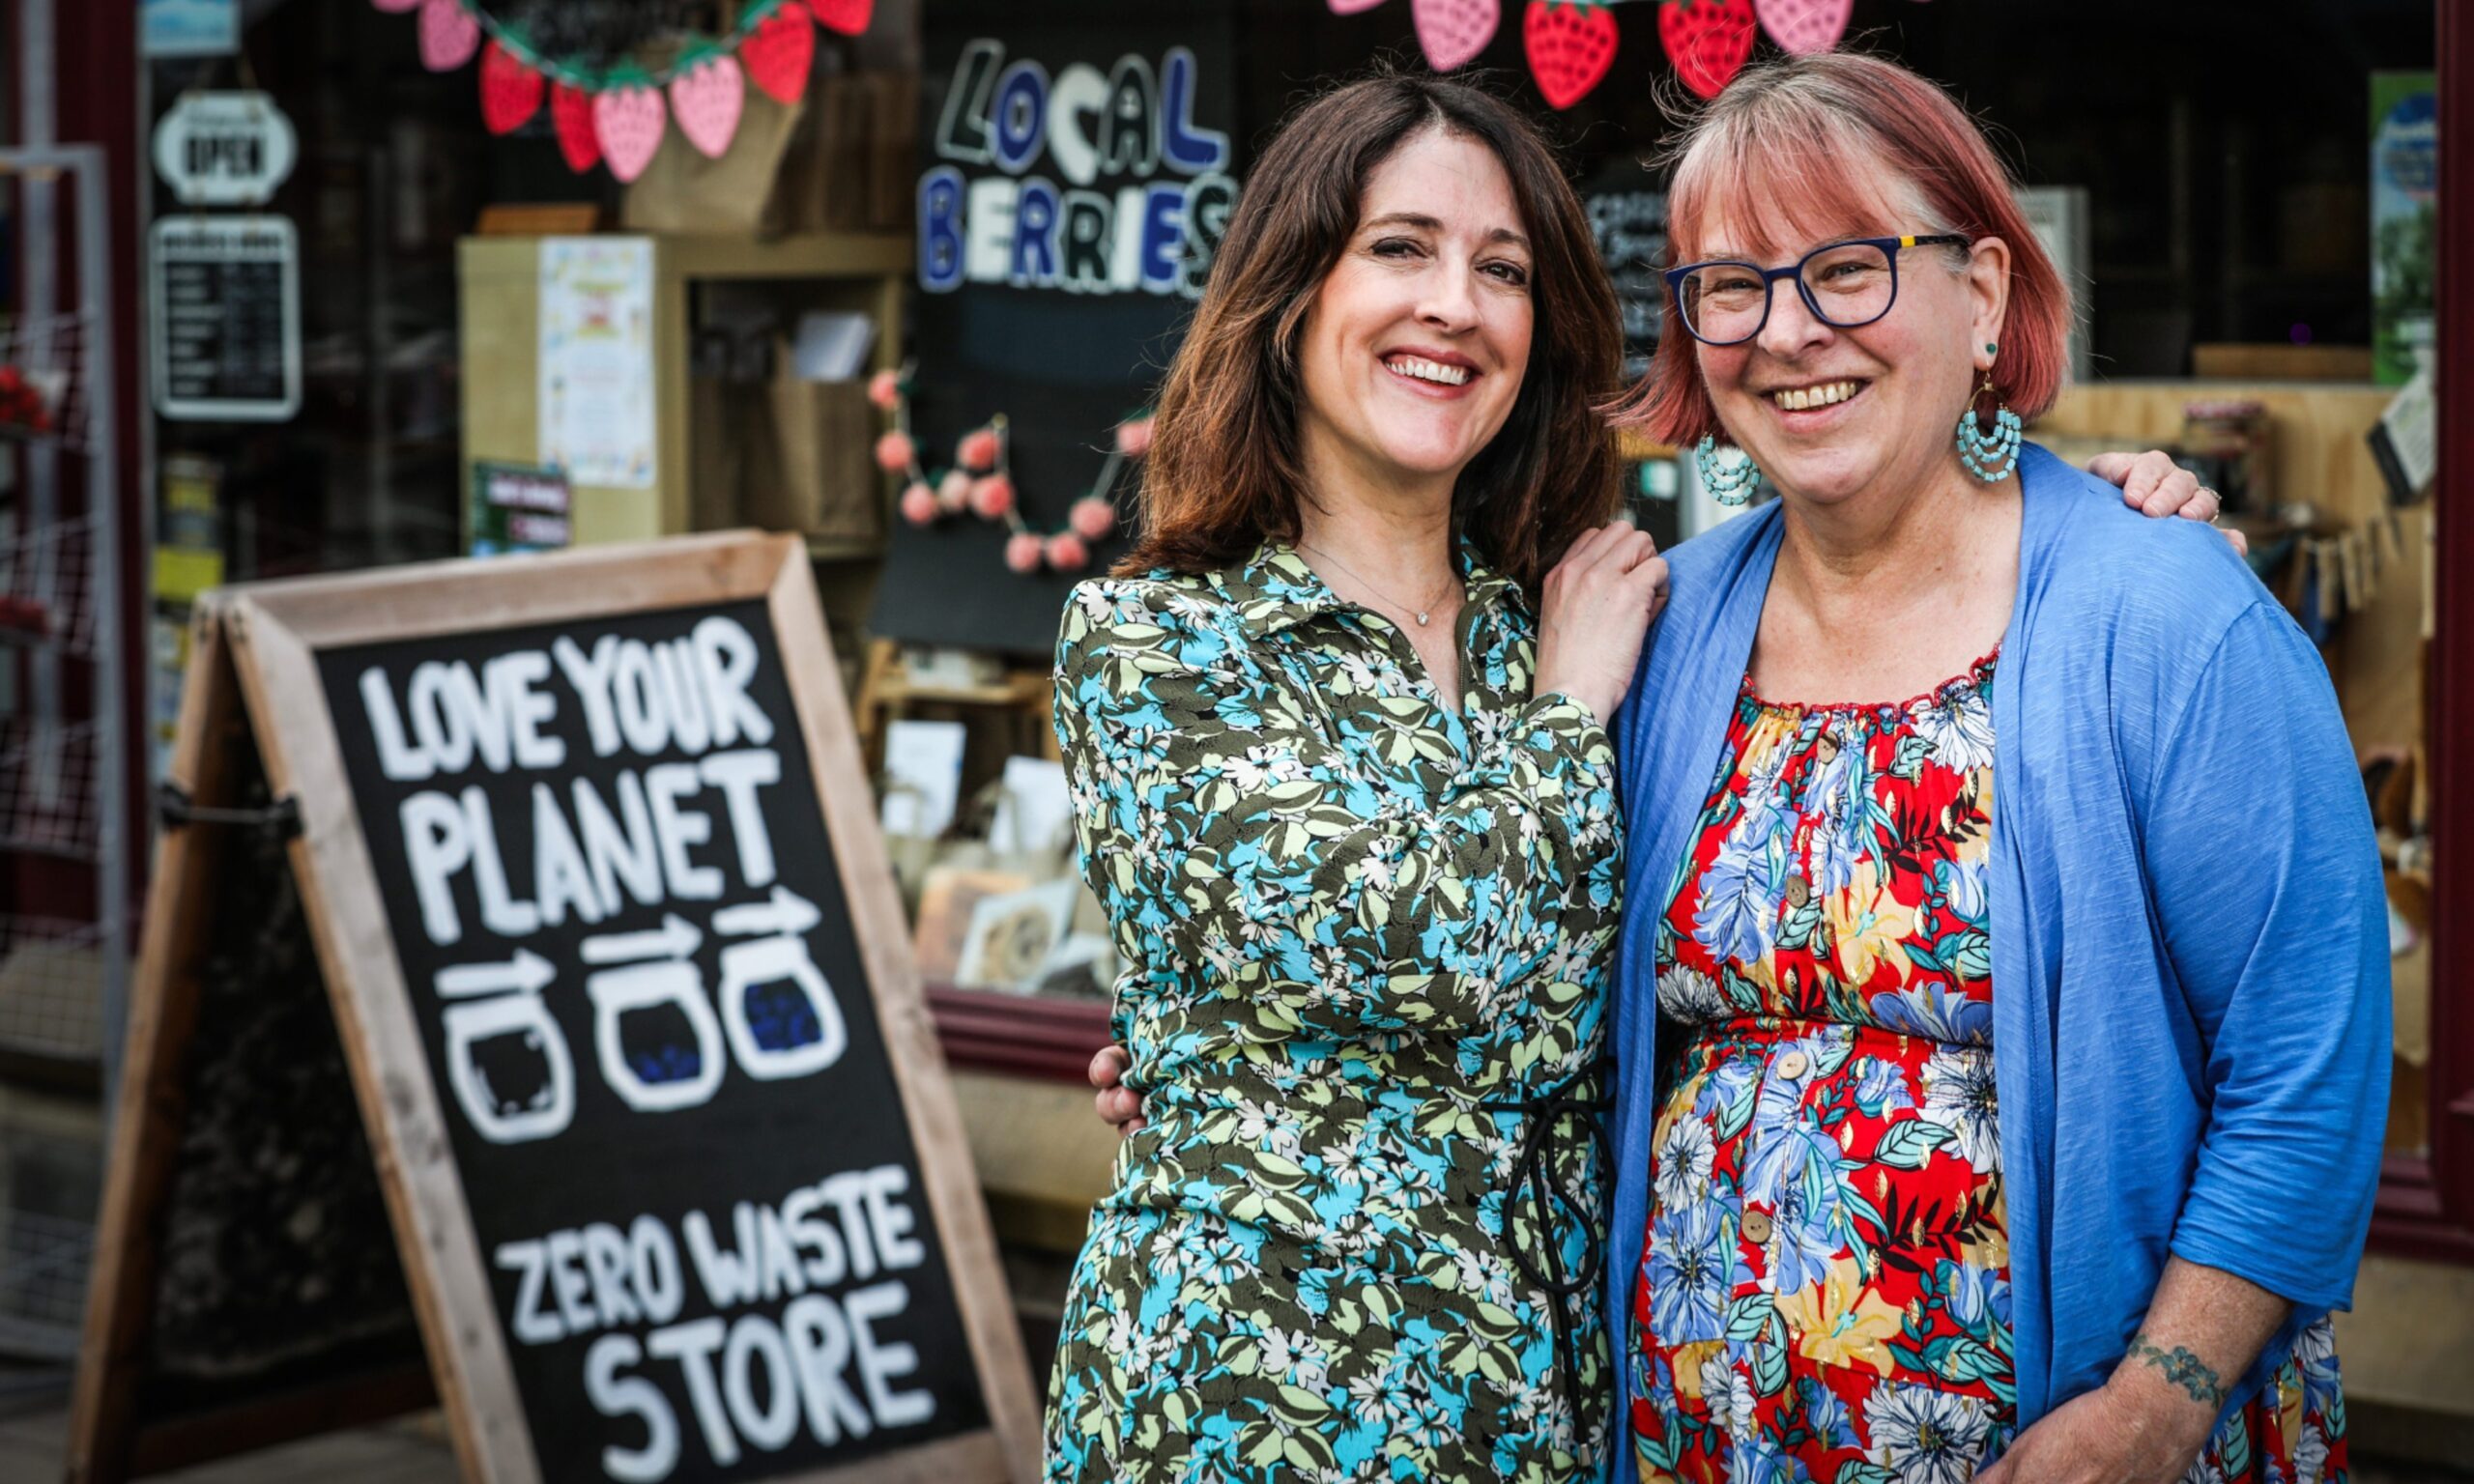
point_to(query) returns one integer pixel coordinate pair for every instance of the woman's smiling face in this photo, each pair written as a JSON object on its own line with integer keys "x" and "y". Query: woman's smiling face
{"x": 1829, "y": 413}
{"x": 1411, "y": 354}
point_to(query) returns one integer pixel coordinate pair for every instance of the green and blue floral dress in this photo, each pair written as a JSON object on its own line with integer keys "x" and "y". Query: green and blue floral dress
{"x": 1369, "y": 938}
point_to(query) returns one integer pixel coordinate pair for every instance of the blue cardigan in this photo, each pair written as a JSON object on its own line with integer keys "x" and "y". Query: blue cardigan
{"x": 2189, "y": 950}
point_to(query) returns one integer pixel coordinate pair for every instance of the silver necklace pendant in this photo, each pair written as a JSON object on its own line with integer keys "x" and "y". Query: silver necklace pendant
{"x": 1423, "y": 613}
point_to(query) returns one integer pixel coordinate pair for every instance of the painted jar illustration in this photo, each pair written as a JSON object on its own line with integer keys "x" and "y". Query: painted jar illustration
{"x": 647, "y": 1062}
{"x": 488, "y": 1044}
{"x": 780, "y": 1013}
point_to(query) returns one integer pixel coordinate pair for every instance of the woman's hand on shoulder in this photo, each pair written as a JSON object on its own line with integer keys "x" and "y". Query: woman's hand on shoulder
{"x": 1595, "y": 612}
{"x": 1120, "y": 1105}
{"x": 2154, "y": 485}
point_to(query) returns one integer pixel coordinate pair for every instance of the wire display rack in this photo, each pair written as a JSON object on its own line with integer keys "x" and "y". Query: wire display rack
{"x": 47, "y": 791}
{"x": 47, "y": 592}
{"x": 51, "y": 972}
{"x": 44, "y": 380}
{"x": 65, "y": 825}
{"x": 43, "y": 1262}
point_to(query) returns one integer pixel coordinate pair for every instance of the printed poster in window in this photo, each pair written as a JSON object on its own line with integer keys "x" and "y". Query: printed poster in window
{"x": 596, "y": 393}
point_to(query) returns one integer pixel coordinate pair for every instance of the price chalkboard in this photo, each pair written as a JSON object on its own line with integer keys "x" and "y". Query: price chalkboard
{"x": 1628, "y": 220}
{"x": 677, "y": 1186}
{"x": 226, "y": 322}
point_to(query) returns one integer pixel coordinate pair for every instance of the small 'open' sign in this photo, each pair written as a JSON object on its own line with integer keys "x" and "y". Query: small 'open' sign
{"x": 226, "y": 149}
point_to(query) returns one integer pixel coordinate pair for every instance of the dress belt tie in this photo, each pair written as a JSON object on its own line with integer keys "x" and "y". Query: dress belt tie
{"x": 1539, "y": 1153}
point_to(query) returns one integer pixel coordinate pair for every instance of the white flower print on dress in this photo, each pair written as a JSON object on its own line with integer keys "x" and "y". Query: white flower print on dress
{"x": 1959, "y": 730}
{"x": 1683, "y": 1163}
{"x": 1959, "y": 1096}
{"x": 2311, "y": 1453}
{"x": 1927, "y": 1437}
{"x": 1258, "y": 768}
{"x": 1690, "y": 997}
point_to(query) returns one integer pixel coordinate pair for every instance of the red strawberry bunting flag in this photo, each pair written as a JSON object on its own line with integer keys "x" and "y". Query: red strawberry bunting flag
{"x": 850, "y": 18}
{"x": 572, "y": 115}
{"x": 511, "y": 91}
{"x": 780, "y": 51}
{"x": 1570, "y": 46}
{"x": 1707, "y": 40}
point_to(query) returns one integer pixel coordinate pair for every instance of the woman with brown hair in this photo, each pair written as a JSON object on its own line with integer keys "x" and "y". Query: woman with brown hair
{"x": 1346, "y": 796}
{"x": 1351, "y": 810}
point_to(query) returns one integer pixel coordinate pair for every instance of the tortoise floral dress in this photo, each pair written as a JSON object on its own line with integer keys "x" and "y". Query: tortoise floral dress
{"x": 1824, "y": 1296}
{"x": 1368, "y": 939}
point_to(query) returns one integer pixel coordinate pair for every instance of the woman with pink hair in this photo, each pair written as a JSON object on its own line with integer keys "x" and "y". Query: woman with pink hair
{"x": 2004, "y": 974}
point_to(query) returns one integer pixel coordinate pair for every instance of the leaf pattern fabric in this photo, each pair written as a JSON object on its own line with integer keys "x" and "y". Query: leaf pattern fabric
{"x": 1368, "y": 940}
{"x": 1823, "y": 1294}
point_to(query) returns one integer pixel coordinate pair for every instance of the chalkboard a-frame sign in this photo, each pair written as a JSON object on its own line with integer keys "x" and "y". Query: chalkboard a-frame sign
{"x": 619, "y": 973}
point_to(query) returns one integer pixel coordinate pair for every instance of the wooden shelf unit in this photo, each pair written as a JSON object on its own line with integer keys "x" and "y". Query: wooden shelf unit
{"x": 500, "y": 305}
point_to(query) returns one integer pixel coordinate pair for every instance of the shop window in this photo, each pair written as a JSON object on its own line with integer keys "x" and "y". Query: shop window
{"x": 1014, "y": 950}
{"x": 2243, "y": 310}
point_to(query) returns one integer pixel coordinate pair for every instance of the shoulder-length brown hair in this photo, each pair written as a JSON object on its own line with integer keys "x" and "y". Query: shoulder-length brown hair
{"x": 1225, "y": 471}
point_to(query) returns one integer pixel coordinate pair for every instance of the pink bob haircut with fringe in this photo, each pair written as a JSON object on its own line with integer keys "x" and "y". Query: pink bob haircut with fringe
{"x": 1841, "y": 145}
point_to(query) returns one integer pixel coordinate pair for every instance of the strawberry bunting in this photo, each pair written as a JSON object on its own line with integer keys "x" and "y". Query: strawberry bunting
{"x": 617, "y": 115}
{"x": 1571, "y": 44}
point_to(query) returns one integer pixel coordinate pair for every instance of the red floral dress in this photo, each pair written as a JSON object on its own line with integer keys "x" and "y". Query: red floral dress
{"x": 1825, "y": 1289}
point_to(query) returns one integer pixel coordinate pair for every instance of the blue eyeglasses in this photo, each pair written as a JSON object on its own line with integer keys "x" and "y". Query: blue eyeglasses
{"x": 1847, "y": 285}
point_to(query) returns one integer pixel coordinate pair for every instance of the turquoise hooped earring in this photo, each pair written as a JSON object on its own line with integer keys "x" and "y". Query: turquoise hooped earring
{"x": 1729, "y": 484}
{"x": 1992, "y": 455}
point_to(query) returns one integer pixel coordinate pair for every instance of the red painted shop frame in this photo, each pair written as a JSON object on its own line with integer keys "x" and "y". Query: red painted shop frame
{"x": 2426, "y": 1206}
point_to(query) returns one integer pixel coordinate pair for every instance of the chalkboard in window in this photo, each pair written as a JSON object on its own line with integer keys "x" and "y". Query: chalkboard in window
{"x": 225, "y": 316}
{"x": 676, "y": 1182}
{"x": 1077, "y": 166}
{"x": 1628, "y": 218}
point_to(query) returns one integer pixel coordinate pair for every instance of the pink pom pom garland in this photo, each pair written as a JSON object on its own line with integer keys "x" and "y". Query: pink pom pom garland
{"x": 1091, "y": 518}
{"x": 982, "y": 484}
{"x": 992, "y": 498}
{"x": 952, "y": 492}
{"x": 982, "y": 449}
{"x": 1066, "y": 553}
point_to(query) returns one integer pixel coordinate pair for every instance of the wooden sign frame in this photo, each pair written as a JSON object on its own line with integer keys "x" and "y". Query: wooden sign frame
{"x": 265, "y": 640}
